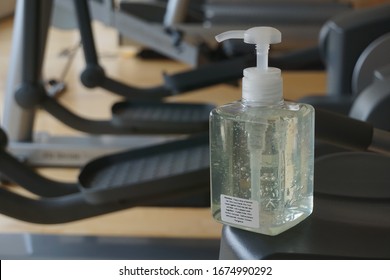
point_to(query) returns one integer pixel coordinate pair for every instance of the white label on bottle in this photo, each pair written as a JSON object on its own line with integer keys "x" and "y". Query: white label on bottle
{"x": 238, "y": 211}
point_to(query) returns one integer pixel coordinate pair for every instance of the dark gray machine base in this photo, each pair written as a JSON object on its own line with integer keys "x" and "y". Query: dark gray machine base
{"x": 37, "y": 246}
{"x": 350, "y": 218}
{"x": 312, "y": 239}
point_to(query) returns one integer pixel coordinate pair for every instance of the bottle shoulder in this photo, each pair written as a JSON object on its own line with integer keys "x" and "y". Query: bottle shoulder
{"x": 240, "y": 110}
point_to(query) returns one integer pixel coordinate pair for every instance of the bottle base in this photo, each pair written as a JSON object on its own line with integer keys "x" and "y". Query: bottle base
{"x": 269, "y": 229}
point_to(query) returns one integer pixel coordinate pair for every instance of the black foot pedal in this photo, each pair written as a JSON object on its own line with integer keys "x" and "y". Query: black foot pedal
{"x": 172, "y": 168}
{"x": 160, "y": 117}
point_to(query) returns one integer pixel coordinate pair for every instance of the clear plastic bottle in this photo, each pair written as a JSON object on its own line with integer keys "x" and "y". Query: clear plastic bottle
{"x": 262, "y": 155}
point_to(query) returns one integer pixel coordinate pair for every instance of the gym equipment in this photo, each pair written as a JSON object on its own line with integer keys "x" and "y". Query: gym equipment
{"x": 57, "y": 202}
{"x": 340, "y": 50}
{"x": 203, "y": 76}
{"x": 44, "y": 149}
{"x": 343, "y": 55}
{"x": 94, "y": 76}
{"x": 135, "y": 117}
{"x": 373, "y": 102}
{"x": 350, "y": 218}
{"x": 184, "y": 30}
{"x": 48, "y": 150}
{"x": 69, "y": 247}
{"x": 108, "y": 12}
{"x": 197, "y": 22}
{"x": 174, "y": 174}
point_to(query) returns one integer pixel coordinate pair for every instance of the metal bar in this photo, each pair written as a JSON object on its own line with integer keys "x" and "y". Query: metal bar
{"x": 176, "y": 12}
{"x": 25, "y": 176}
{"x": 86, "y": 32}
{"x": 17, "y": 122}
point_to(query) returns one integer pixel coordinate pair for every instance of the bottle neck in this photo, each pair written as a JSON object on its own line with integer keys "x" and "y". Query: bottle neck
{"x": 262, "y": 103}
{"x": 263, "y": 87}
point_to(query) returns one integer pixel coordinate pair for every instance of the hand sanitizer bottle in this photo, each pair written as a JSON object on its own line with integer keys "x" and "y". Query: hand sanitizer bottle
{"x": 261, "y": 149}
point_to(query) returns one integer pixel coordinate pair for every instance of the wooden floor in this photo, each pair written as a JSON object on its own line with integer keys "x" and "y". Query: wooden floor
{"x": 120, "y": 62}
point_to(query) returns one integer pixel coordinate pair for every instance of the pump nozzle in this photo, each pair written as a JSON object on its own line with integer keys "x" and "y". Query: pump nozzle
{"x": 260, "y": 84}
{"x": 261, "y": 36}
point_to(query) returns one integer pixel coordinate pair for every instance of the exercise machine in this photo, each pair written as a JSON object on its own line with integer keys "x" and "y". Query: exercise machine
{"x": 73, "y": 247}
{"x": 113, "y": 182}
{"x": 184, "y": 30}
{"x": 174, "y": 174}
{"x": 57, "y": 202}
{"x": 26, "y": 93}
{"x": 350, "y": 218}
{"x": 148, "y": 116}
{"x": 348, "y": 58}
{"x": 197, "y": 22}
{"x": 45, "y": 149}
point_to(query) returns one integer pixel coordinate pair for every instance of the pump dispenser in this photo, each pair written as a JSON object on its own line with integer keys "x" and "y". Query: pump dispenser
{"x": 261, "y": 149}
{"x": 260, "y": 83}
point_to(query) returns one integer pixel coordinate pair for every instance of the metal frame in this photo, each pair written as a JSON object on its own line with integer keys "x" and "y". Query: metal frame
{"x": 140, "y": 31}
{"x": 186, "y": 49}
{"x": 68, "y": 247}
{"x": 43, "y": 149}
{"x": 48, "y": 150}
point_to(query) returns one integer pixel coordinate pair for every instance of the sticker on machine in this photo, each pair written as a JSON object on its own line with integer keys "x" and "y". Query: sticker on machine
{"x": 238, "y": 211}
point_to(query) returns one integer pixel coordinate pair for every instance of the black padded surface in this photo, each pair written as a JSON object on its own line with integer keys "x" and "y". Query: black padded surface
{"x": 162, "y": 117}
{"x": 350, "y": 218}
{"x": 177, "y": 166}
{"x": 354, "y": 175}
{"x": 3, "y": 139}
